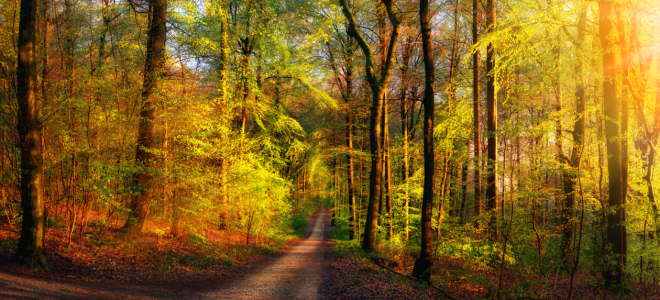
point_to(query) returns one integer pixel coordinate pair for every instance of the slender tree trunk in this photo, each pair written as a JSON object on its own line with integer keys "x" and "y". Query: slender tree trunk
{"x": 625, "y": 116}
{"x": 616, "y": 229}
{"x": 423, "y": 263}
{"x": 349, "y": 142}
{"x": 386, "y": 169}
{"x": 335, "y": 194}
{"x": 477, "y": 114}
{"x": 246, "y": 91}
{"x": 220, "y": 10}
{"x": 45, "y": 77}
{"x": 464, "y": 191}
{"x": 378, "y": 86}
{"x": 381, "y": 21}
{"x": 404, "y": 128}
{"x": 106, "y": 19}
{"x": 349, "y": 161}
{"x": 70, "y": 74}
{"x": 491, "y": 103}
{"x": 146, "y": 140}
{"x": 579, "y": 128}
{"x": 31, "y": 250}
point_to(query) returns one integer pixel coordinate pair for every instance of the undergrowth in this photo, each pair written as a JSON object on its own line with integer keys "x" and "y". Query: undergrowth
{"x": 199, "y": 246}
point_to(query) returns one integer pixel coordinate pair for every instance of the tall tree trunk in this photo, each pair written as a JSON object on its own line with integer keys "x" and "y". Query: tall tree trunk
{"x": 491, "y": 103}
{"x": 476, "y": 107}
{"x": 349, "y": 161}
{"x": 385, "y": 197}
{"x": 31, "y": 250}
{"x": 106, "y": 19}
{"x": 349, "y": 143}
{"x": 378, "y": 85}
{"x": 246, "y": 89}
{"x": 464, "y": 191}
{"x": 625, "y": 116}
{"x": 423, "y": 263}
{"x": 45, "y": 76}
{"x": 146, "y": 140}
{"x": 570, "y": 176}
{"x": 387, "y": 184}
{"x": 70, "y": 75}
{"x": 616, "y": 229}
{"x": 220, "y": 10}
{"x": 404, "y": 128}
{"x": 69, "y": 48}
{"x": 335, "y": 197}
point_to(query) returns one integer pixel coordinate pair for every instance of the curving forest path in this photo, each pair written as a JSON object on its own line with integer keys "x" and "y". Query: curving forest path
{"x": 296, "y": 275}
{"x": 299, "y": 272}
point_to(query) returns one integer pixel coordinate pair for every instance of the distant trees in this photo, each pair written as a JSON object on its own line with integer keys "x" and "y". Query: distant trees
{"x": 344, "y": 77}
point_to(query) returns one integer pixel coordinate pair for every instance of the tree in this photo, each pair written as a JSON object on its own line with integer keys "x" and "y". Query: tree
{"x": 616, "y": 228}
{"x": 491, "y": 103}
{"x": 570, "y": 176}
{"x": 146, "y": 140}
{"x": 31, "y": 250}
{"x": 423, "y": 263}
{"x": 476, "y": 109}
{"x": 378, "y": 85}
{"x": 346, "y": 89}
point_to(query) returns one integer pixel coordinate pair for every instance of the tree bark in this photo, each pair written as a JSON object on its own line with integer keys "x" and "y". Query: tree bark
{"x": 404, "y": 128}
{"x": 146, "y": 140}
{"x": 45, "y": 76}
{"x": 491, "y": 103}
{"x": 476, "y": 107}
{"x": 625, "y": 116}
{"x": 422, "y": 268}
{"x": 349, "y": 161}
{"x": 616, "y": 229}
{"x": 378, "y": 85}
{"x": 387, "y": 184}
{"x": 570, "y": 176}
{"x": 31, "y": 250}
{"x": 220, "y": 10}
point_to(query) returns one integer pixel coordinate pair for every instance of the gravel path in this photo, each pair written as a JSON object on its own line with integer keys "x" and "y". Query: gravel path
{"x": 297, "y": 273}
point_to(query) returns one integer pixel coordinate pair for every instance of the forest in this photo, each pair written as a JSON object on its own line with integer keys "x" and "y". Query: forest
{"x": 483, "y": 149}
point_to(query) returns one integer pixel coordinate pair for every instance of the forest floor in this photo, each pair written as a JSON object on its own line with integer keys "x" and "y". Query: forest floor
{"x": 158, "y": 267}
{"x": 384, "y": 274}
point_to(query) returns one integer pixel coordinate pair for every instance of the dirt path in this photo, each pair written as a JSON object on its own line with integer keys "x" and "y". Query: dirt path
{"x": 297, "y": 273}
